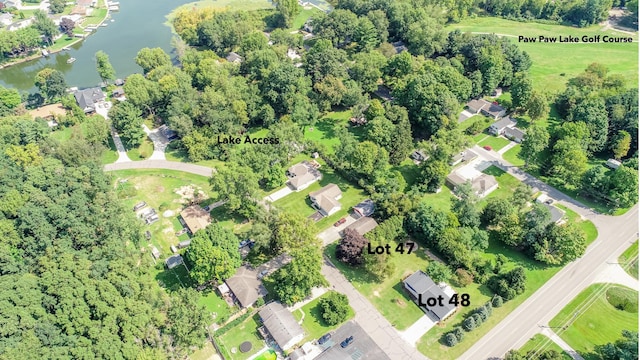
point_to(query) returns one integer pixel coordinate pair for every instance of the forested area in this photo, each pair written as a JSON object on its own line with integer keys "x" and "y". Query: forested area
{"x": 74, "y": 282}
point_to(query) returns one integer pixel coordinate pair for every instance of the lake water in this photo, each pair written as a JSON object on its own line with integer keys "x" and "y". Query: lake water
{"x": 138, "y": 24}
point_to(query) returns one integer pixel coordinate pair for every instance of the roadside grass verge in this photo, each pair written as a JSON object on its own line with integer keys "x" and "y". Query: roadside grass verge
{"x": 511, "y": 156}
{"x": 590, "y": 319}
{"x": 540, "y": 342}
{"x": 142, "y": 152}
{"x": 629, "y": 260}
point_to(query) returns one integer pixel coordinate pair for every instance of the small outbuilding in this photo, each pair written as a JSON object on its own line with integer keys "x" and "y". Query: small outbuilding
{"x": 173, "y": 261}
{"x": 613, "y": 163}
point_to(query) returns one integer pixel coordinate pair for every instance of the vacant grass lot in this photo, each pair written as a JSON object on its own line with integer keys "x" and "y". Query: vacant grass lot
{"x": 313, "y": 323}
{"x": 629, "y": 260}
{"x": 387, "y": 296}
{"x": 597, "y": 321}
{"x": 246, "y": 5}
{"x": 216, "y": 305}
{"x": 323, "y": 131}
{"x": 496, "y": 142}
{"x": 299, "y": 202}
{"x": 173, "y": 153}
{"x": 540, "y": 343}
{"x": 587, "y": 226}
{"x": 158, "y": 189}
{"x": 245, "y": 331}
{"x": 550, "y": 69}
{"x": 141, "y": 152}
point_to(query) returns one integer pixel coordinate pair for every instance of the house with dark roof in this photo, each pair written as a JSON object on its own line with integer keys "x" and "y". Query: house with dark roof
{"x": 245, "y": 286}
{"x": 326, "y": 199}
{"x": 498, "y": 127}
{"x": 514, "y": 134}
{"x": 303, "y": 174}
{"x": 419, "y": 155}
{"x": 482, "y": 185}
{"x": 484, "y": 107}
{"x": 421, "y": 288}
{"x": 365, "y": 208}
{"x": 363, "y": 225}
{"x": 173, "y": 261}
{"x": 281, "y": 325}
{"x": 88, "y": 98}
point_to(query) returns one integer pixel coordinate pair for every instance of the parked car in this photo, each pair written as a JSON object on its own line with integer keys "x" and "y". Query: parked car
{"x": 139, "y": 206}
{"x": 262, "y": 274}
{"x": 347, "y": 342}
{"x": 324, "y": 339}
{"x": 147, "y": 235}
{"x": 549, "y": 202}
{"x": 487, "y": 147}
{"x": 340, "y": 222}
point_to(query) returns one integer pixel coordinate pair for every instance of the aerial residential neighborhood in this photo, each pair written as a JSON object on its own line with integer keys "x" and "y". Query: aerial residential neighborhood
{"x": 344, "y": 179}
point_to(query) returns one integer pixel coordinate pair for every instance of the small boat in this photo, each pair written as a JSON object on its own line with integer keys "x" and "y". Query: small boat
{"x": 45, "y": 53}
{"x": 71, "y": 60}
{"x": 104, "y": 25}
{"x": 112, "y": 20}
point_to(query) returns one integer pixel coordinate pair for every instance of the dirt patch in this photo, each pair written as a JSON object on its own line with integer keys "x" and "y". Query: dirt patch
{"x": 376, "y": 293}
{"x": 401, "y": 303}
{"x": 160, "y": 189}
{"x": 190, "y": 193}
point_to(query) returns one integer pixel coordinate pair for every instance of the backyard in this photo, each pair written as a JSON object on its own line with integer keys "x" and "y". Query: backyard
{"x": 247, "y": 330}
{"x": 313, "y": 324}
{"x": 595, "y": 317}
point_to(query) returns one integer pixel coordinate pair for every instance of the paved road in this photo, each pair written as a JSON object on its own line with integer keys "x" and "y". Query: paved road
{"x": 160, "y": 164}
{"x": 615, "y": 235}
{"x": 368, "y": 317}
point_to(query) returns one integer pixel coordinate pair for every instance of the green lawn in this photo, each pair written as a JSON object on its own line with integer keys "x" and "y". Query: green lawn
{"x": 506, "y": 183}
{"x": 246, "y": 331}
{"x": 142, "y": 152}
{"x": 591, "y": 320}
{"x": 216, "y": 305}
{"x": 228, "y": 220}
{"x": 173, "y": 153}
{"x": 537, "y": 274}
{"x": 465, "y": 124}
{"x": 322, "y": 132}
{"x": 109, "y": 155}
{"x": 387, "y": 296}
{"x": 540, "y": 343}
{"x": 313, "y": 324}
{"x": 303, "y": 16}
{"x": 629, "y": 260}
{"x": 299, "y": 202}
{"x": 207, "y": 352}
{"x": 496, "y": 142}
{"x": 246, "y": 5}
{"x": 158, "y": 189}
{"x": 550, "y": 70}
{"x": 96, "y": 17}
{"x": 409, "y": 170}
{"x": 511, "y": 156}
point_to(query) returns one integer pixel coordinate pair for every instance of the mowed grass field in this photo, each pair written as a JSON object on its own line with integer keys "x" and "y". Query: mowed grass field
{"x": 551, "y": 60}
{"x": 592, "y": 320}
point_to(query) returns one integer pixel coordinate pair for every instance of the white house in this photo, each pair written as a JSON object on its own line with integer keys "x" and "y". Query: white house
{"x": 326, "y": 199}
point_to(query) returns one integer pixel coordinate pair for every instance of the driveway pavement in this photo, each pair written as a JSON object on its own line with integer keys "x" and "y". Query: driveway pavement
{"x": 363, "y": 346}
{"x": 332, "y": 233}
{"x": 563, "y": 345}
{"x": 160, "y": 164}
{"x": 286, "y": 190}
{"x": 368, "y": 317}
{"x": 419, "y": 328}
{"x": 160, "y": 143}
{"x": 615, "y": 274}
{"x": 464, "y": 115}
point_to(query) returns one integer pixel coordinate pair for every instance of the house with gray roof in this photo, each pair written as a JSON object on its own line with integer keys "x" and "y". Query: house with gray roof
{"x": 486, "y": 108}
{"x": 303, "y": 174}
{"x": 498, "y": 127}
{"x": 421, "y": 288}
{"x": 88, "y": 98}
{"x": 245, "y": 286}
{"x": 173, "y": 261}
{"x": 556, "y": 214}
{"x": 326, "y": 199}
{"x": 514, "y": 134}
{"x": 234, "y": 57}
{"x": 365, "y": 208}
{"x": 363, "y": 225}
{"x": 281, "y": 325}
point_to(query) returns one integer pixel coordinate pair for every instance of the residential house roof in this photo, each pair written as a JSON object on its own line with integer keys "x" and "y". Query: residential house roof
{"x": 280, "y": 323}
{"x": 303, "y": 173}
{"x": 484, "y": 184}
{"x": 234, "y": 57}
{"x": 327, "y": 197}
{"x": 422, "y": 284}
{"x": 514, "y": 133}
{"x": 245, "y": 286}
{"x": 556, "y": 214}
{"x": 503, "y": 123}
{"x": 363, "y": 225}
{"x": 195, "y": 218}
{"x": 6, "y": 19}
{"x": 493, "y": 109}
{"x": 454, "y": 179}
{"x": 87, "y": 98}
{"x": 477, "y": 104}
{"x": 365, "y": 208}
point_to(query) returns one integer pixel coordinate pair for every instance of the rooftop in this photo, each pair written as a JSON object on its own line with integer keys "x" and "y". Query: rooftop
{"x": 363, "y": 225}
{"x": 422, "y": 284}
{"x": 246, "y": 286}
{"x": 195, "y": 218}
{"x": 280, "y": 323}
